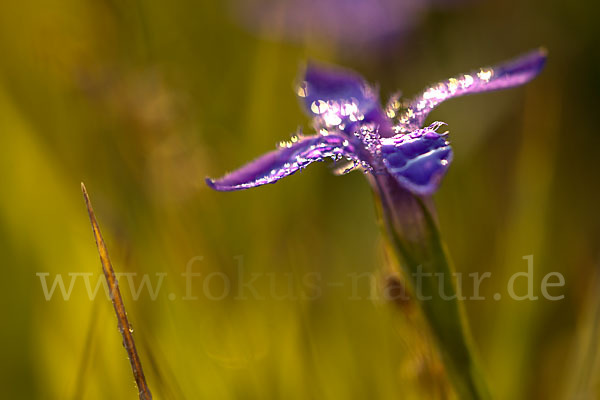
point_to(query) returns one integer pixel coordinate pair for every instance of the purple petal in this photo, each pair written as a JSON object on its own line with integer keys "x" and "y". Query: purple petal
{"x": 289, "y": 158}
{"x": 327, "y": 83}
{"x": 339, "y": 98}
{"x": 506, "y": 75}
{"x": 418, "y": 160}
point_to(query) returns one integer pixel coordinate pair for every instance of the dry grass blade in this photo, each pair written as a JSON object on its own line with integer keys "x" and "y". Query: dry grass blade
{"x": 117, "y": 300}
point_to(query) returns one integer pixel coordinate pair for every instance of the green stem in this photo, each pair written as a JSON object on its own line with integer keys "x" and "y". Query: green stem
{"x": 418, "y": 245}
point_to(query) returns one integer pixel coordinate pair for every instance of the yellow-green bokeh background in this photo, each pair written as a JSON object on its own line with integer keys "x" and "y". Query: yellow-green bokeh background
{"x": 143, "y": 99}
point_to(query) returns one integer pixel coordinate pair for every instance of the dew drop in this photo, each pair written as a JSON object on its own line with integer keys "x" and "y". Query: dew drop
{"x": 332, "y": 119}
{"x": 318, "y": 107}
{"x": 468, "y": 81}
{"x": 333, "y": 106}
{"x": 302, "y": 90}
{"x": 452, "y": 85}
{"x": 485, "y": 74}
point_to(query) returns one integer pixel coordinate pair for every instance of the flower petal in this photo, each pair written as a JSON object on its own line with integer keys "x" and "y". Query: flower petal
{"x": 333, "y": 83}
{"x": 506, "y": 75}
{"x": 339, "y": 98}
{"x": 289, "y": 158}
{"x": 418, "y": 160}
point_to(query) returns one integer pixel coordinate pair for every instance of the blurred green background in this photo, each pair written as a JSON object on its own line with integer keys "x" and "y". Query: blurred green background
{"x": 142, "y": 100}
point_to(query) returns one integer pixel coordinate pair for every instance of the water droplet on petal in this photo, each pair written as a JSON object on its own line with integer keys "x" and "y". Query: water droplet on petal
{"x": 318, "y": 107}
{"x": 302, "y": 90}
{"x": 485, "y": 74}
{"x": 467, "y": 81}
{"x": 333, "y": 106}
{"x": 332, "y": 119}
{"x": 452, "y": 85}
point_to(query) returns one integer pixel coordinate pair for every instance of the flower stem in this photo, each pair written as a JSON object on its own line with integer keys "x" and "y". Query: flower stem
{"x": 414, "y": 236}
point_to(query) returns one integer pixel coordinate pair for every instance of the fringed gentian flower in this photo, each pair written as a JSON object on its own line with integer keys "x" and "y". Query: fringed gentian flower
{"x": 351, "y": 125}
{"x": 404, "y": 161}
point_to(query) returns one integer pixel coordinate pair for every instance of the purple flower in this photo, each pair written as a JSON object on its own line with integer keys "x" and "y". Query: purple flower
{"x": 404, "y": 163}
{"x": 385, "y": 142}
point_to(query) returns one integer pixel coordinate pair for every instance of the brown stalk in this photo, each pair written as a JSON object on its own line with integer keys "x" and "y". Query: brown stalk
{"x": 117, "y": 300}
